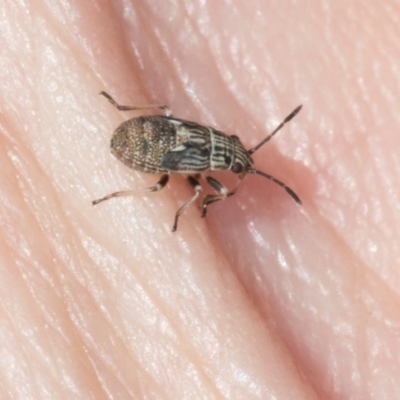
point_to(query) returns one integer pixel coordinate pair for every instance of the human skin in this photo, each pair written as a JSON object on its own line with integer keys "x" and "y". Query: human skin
{"x": 263, "y": 298}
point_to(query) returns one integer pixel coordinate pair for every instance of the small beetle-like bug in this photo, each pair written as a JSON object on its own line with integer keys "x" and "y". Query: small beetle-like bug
{"x": 162, "y": 144}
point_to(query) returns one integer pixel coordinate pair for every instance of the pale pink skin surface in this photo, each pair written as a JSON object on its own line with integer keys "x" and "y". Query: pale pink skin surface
{"x": 263, "y": 299}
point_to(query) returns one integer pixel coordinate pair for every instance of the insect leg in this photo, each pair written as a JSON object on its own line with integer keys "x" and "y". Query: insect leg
{"x": 167, "y": 111}
{"x": 194, "y": 183}
{"x": 222, "y": 190}
{"x": 158, "y": 186}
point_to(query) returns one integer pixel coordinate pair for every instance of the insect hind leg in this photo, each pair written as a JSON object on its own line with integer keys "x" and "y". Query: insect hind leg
{"x": 158, "y": 186}
{"x": 194, "y": 183}
{"x": 163, "y": 107}
{"x": 222, "y": 193}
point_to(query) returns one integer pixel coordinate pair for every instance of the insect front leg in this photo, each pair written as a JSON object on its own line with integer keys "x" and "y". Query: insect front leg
{"x": 223, "y": 193}
{"x": 158, "y": 186}
{"x": 194, "y": 183}
{"x": 167, "y": 111}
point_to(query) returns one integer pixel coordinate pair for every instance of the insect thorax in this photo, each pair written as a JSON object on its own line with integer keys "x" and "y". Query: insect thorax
{"x": 226, "y": 151}
{"x": 203, "y": 148}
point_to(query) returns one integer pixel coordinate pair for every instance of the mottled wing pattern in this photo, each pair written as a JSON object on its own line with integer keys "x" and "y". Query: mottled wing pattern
{"x": 192, "y": 150}
{"x": 190, "y": 157}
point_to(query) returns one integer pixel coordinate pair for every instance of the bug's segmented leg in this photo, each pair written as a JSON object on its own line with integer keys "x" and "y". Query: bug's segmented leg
{"x": 222, "y": 190}
{"x": 194, "y": 183}
{"x": 163, "y": 107}
{"x": 158, "y": 186}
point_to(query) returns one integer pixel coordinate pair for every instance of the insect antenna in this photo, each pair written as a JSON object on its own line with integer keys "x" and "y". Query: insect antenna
{"x": 279, "y": 127}
{"x": 278, "y": 182}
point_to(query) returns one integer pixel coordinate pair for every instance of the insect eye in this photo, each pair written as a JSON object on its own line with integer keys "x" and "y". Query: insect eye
{"x": 237, "y": 168}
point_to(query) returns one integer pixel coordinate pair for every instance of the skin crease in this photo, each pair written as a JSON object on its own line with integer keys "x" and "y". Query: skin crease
{"x": 262, "y": 299}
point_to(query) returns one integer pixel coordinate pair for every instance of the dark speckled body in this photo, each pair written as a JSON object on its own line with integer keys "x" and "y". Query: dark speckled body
{"x": 161, "y": 144}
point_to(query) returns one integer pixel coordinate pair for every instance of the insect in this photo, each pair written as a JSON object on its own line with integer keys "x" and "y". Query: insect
{"x": 162, "y": 144}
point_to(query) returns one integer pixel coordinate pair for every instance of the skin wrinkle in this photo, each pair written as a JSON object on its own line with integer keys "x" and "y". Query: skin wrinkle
{"x": 263, "y": 298}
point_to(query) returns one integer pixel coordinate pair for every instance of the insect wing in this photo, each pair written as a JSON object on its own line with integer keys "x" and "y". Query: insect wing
{"x": 190, "y": 157}
{"x": 192, "y": 150}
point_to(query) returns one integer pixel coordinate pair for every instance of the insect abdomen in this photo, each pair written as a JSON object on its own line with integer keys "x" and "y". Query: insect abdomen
{"x": 141, "y": 143}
